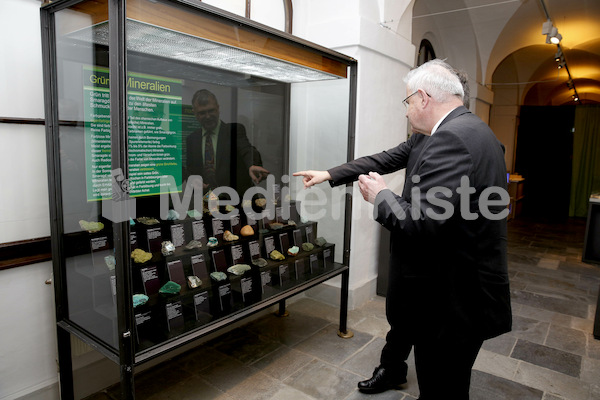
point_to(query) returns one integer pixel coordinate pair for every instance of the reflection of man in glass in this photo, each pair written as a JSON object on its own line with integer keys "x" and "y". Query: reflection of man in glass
{"x": 220, "y": 152}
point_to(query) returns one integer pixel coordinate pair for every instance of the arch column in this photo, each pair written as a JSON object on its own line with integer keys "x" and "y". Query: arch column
{"x": 377, "y": 34}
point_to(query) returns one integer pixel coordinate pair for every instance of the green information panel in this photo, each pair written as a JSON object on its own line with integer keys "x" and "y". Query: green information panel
{"x": 154, "y": 130}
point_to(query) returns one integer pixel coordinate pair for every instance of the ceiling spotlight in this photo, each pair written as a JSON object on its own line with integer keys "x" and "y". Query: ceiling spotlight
{"x": 575, "y": 98}
{"x": 552, "y": 35}
{"x": 547, "y": 27}
{"x": 558, "y": 56}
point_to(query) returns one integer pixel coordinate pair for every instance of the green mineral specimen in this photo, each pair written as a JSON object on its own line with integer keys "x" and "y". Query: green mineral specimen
{"x": 139, "y": 300}
{"x": 170, "y": 288}
{"x": 91, "y": 226}
{"x": 238, "y": 269}
{"x": 212, "y": 241}
{"x": 259, "y": 262}
{"x": 148, "y": 221}
{"x": 320, "y": 241}
{"x": 172, "y": 215}
{"x": 194, "y": 214}
{"x": 292, "y": 251}
{"x": 110, "y": 262}
{"x": 307, "y": 246}
{"x": 193, "y": 244}
{"x": 218, "y": 276}
{"x": 140, "y": 256}
{"x": 276, "y": 255}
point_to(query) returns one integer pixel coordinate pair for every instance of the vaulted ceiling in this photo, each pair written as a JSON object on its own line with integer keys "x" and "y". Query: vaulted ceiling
{"x": 505, "y": 37}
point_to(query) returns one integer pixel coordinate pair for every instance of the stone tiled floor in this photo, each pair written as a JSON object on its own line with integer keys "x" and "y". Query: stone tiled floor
{"x": 550, "y": 354}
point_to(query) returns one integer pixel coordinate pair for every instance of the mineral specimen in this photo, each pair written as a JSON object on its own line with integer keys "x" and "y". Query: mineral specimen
{"x": 172, "y": 215}
{"x": 91, "y": 226}
{"x": 210, "y": 196}
{"x": 276, "y": 255}
{"x": 170, "y": 288}
{"x": 218, "y": 276}
{"x": 194, "y": 214}
{"x": 246, "y": 203}
{"x": 259, "y": 262}
{"x": 292, "y": 251}
{"x": 276, "y": 225}
{"x": 307, "y": 246}
{"x": 238, "y": 269}
{"x": 139, "y": 300}
{"x": 110, "y": 262}
{"x": 247, "y": 231}
{"x": 320, "y": 241}
{"x": 148, "y": 221}
{"x": 291, "y": 222}
{"x": 229, "y": 208}
{"x": 230, "y": 237}
{"x": 212, "y": 241}
{"x": 193, "y": 244}
{"x": 140, "y": 256}
{"x": 262, "y": 202}
{"x": 193, "y": 281}
{"x": 167, "y": 248}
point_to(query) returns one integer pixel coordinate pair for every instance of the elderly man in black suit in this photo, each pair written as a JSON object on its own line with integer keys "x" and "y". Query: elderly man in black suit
{"x": 220, "y": 152}
{"x": 448, "y": 283}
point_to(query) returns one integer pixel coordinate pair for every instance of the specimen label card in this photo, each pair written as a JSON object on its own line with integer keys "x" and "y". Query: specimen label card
{"x": 174, "y": 315}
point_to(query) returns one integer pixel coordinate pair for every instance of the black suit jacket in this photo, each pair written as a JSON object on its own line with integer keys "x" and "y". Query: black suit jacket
{"x": 448, "y": 276}
{"x": 234, "y": 156}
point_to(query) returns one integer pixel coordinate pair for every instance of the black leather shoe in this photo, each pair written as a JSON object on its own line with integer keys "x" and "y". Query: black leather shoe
{"x": 382, "y": 380}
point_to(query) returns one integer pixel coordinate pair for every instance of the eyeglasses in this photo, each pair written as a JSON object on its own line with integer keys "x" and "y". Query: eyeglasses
{"x": 405, "y": 101}
{"x": 204, "y": 113}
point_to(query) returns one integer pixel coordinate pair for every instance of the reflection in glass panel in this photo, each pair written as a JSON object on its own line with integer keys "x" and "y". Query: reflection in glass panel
{"x": 213, "y": 134}
{"x": 88, "y": 241}
{"x": 153, "y": 40}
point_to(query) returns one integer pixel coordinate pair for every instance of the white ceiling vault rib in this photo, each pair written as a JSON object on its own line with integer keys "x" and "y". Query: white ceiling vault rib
{"x": 467, "y": 8}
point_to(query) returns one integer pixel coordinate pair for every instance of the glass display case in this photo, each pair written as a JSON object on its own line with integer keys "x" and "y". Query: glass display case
{"x": 172, "y": 133}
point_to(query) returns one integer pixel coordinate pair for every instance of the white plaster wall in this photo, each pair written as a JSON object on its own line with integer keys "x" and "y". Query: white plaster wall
{"x": 269, "y": 12}
{"x": 384, "y": 56}
{"x": 27, "y": 326}
{"x": 21, "y": 59}
{"x": 24, "y": 212}
{"x": 23, "y": 204}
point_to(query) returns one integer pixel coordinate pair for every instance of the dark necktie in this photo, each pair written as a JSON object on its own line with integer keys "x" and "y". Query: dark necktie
{"x": 209, "y": 161}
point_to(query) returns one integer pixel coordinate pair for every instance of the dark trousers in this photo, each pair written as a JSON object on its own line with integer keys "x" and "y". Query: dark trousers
{"x": 395, "y": 352}
{"x": 443, "y": 364}
{"x": 444, "y": 367}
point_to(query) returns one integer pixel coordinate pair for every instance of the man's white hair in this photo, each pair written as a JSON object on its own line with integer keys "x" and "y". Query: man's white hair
{"x": 437, "y": 79}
